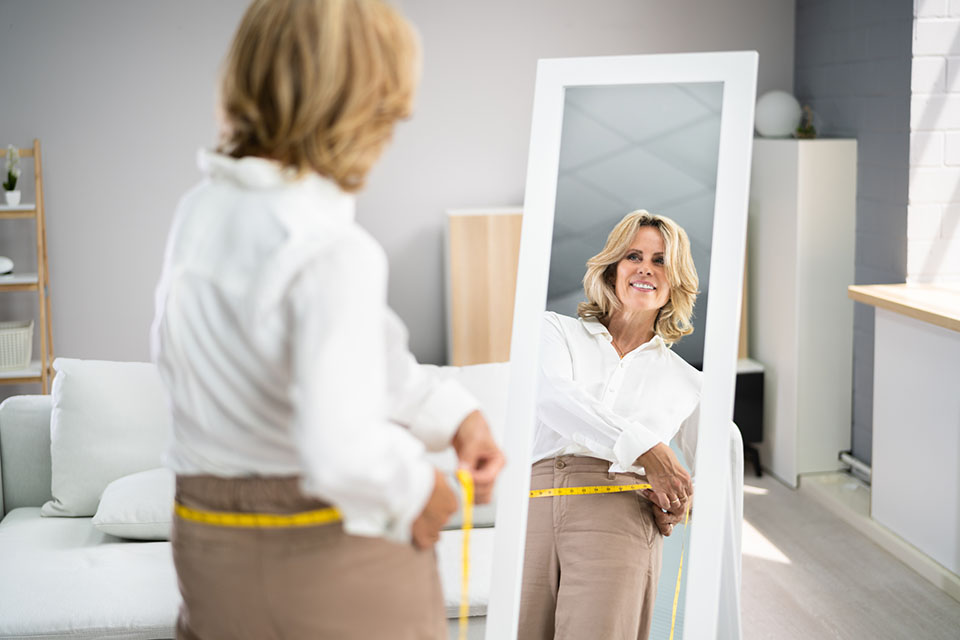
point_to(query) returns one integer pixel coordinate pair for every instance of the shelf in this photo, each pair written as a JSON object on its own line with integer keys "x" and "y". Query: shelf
{"x": 21, "y": 376}
{"x": 25, "y": 210}
{"x": 19, "y": 282}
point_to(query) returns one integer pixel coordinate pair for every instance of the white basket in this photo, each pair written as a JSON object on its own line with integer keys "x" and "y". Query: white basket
{"x": 16, "y": 344}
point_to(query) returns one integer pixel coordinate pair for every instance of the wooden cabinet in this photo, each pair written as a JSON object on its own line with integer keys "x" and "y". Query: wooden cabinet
{"x": 483, "y": 247}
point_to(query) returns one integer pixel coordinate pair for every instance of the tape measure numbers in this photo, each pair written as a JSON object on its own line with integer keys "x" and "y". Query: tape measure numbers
{"x": 583, "y": 491}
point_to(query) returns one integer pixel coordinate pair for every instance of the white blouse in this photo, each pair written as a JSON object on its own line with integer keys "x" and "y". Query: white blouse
{"x": 280, "y": 356}
{"x": 590, "y": 402}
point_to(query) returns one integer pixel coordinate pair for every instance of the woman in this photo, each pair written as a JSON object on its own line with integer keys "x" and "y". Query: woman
{"x": 304, "y": 508}
{"x": 611, "y": 395}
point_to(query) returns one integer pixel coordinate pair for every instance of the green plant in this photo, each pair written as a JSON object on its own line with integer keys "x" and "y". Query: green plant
{"x": 806, "y": 130}
{"x": 13, "y": 168}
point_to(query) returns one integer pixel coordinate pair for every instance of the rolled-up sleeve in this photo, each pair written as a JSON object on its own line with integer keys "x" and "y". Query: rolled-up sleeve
{"x": 564, "y": 407}
{"x": 373, "y": 470}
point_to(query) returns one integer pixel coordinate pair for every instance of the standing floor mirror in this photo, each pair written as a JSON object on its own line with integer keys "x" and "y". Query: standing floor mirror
{"x": 671, "y": 134}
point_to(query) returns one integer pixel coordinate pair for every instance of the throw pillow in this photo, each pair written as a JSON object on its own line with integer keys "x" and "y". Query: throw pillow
{"x": 138, "y": 506}
{"x": 109, "y": 419}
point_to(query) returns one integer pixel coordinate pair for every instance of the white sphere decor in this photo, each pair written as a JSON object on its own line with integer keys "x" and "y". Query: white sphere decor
{"x": 778, "y": 114}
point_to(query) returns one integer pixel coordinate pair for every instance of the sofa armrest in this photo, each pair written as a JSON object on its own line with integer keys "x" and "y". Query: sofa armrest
{"x": 25, "y": 469}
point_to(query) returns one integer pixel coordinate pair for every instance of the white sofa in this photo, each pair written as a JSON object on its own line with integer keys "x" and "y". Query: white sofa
{"x": 62, "y": 577}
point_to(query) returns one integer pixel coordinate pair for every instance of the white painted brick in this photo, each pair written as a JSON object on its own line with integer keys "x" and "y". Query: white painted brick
{"x": 930, "y": 8}
{"x": 934, "y": 113}
{"x": 926, "y": 149}
{"x": 929, "y": 74}
{"x": 936, "y": 258}
{"x": 953, "y": 74}
{"x": 923, "y": 222}
{"x": 950, "y": 224}
{"x": 934, "y": 186}
{"x": 955, "y": 7}
{"x": 936, "y": 36}
{"x": 951, "y": 148}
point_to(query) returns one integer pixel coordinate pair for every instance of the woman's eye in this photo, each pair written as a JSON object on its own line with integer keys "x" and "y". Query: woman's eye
{"x": 658, "y": 261}
{"x": 633, "y": 257}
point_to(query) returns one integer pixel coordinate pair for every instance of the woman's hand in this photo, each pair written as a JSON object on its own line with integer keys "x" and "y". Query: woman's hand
{"x": 667, "y": 519}
{"x": 479, "y": 454}
{"x": 670, "y": 481}
{"x": 440, "y": 506}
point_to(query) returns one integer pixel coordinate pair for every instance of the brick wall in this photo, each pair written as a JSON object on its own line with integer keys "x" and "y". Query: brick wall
{"x": 933, "y": 214}
{"x": 853, "y": 66}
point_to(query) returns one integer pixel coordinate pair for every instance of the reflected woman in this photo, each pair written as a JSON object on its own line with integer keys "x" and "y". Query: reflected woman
{"x": 611, "y": 395}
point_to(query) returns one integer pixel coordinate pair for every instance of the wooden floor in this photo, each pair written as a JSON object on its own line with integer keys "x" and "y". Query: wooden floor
{"x": 809, "y": 575}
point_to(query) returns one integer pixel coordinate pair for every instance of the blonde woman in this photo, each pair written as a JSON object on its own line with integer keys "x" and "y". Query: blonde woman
{"x": 611, "y": 395}
{"x": 305, "y": 505}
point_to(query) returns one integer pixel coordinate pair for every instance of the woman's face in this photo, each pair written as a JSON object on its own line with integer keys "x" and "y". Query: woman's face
{"x": 641, "y": 277}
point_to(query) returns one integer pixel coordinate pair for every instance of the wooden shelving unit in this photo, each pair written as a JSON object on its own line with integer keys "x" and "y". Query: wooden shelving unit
{"x": 40, "y": 371}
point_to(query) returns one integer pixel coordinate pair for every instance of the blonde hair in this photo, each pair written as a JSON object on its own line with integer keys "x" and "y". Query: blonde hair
{"x": 318, "y": 84}
{"x": 599, "y": 282}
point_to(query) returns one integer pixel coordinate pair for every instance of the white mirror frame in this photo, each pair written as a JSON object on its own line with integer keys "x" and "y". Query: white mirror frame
{"x": 737, "y": 70}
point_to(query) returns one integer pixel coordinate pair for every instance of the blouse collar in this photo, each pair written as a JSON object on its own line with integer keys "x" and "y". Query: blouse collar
{"x": 251, "y": 172}
{"x": 596, "y": 328}
{"x": 261, "y": 173}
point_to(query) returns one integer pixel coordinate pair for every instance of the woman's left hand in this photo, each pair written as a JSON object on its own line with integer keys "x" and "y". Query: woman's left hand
{"x": 666, "y": 520}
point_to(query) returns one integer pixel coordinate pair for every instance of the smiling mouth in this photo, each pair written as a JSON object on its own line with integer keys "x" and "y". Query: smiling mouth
{"x": 643, "y": 286}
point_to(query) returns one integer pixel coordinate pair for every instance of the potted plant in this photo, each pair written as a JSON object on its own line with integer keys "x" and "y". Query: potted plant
{"x": 13, "y": 172}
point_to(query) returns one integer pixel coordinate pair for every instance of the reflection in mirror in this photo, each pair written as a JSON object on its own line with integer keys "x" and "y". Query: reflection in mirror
{"x": 627, "y": 147}
{"x": 612, "y": 385}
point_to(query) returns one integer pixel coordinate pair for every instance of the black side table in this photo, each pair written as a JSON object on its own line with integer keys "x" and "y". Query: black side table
{"x": 748, "y": 408}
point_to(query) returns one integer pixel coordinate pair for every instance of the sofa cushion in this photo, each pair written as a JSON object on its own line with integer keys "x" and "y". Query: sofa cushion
{"x": 109, "y": 419}
{"x": 62, "y": 578}
{"x": 138, "y": 506}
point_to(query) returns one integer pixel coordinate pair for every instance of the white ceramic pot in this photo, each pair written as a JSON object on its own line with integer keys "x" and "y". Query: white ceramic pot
{"x": 13, "y": 197}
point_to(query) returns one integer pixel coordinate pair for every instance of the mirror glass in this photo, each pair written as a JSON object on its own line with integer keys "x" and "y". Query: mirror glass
{"x": 628, "y": 147}
{"x": 623, "y": 148}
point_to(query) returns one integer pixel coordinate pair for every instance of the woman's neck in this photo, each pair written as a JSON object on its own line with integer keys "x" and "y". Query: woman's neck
{"x": 630, "y": 330}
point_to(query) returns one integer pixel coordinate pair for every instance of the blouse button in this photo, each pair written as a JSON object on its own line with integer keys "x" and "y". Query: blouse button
{"x": 561, "y": 464}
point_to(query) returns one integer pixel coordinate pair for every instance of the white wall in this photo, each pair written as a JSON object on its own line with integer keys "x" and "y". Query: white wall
{"x": 120, "y": 93}
{"x": 933, "y": 215}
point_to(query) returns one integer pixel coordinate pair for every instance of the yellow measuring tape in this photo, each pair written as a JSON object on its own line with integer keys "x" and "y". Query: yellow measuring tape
{"x": 620, "y": 488}
{"x": 466, "y": 481}
{"x": 250, "y": 520}
{"x": 583, "y": 491}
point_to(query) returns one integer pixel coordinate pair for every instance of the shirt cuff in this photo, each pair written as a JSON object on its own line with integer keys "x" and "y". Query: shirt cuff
{"x": 630, "y": 446}
{"x": 398, "y": 526}
{"x": 440, "y": 415}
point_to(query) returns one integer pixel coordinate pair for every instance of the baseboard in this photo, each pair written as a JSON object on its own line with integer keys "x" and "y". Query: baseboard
{"x": 849, "y": 499}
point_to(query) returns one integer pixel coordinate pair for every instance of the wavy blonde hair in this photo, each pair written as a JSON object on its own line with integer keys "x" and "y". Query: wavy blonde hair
{"x": 318, "y": 84}
{"x": 599, "y": 282}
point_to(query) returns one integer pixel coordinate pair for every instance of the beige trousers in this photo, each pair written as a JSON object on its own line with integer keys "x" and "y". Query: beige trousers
{"x": 312, "y": 582}
{"x": 592, "y": 562}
